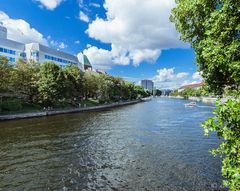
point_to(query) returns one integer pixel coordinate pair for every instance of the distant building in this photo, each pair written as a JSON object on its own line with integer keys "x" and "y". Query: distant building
{"x": 147, "y": 85}
{"x": 191, "y": 86}
{"x": 86, "y": 63}
{"x": 13, "y": 51}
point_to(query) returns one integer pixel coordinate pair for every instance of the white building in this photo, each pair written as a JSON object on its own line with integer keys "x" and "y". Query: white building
{"x": 147, "y": 85}
{"x": 191, "y": 86}
{"x": 34, "y": 51}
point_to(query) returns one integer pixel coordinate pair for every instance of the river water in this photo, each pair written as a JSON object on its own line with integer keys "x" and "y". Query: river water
{"x": 156, "y": 145}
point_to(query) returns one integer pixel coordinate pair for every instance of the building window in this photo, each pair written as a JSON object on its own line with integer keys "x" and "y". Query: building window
{"x": 23, "y": 55}
{"x": 35, "y": 54}
{"x": 8, "y": 51}
{"x": 47, "y": 57}
{"x": 11, "y": 59}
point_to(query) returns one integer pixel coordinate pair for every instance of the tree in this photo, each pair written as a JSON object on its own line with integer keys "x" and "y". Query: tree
{"x": 104, "y": 86}
{"x": 25, "y": 79}
{"x": 140, "y": 91}
{"x": 5, "y": 73}
{"x": 90, "y": 84}
{"x": 157, "y": 92}
{"x": 51, "y": 84}
{"x": 73, "y": 82}
{"x": 212, "y": 27}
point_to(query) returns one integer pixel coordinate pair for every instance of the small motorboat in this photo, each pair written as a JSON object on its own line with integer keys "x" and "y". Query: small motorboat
{"x": 191, "y": 104}
{"x": 147, "y": 98}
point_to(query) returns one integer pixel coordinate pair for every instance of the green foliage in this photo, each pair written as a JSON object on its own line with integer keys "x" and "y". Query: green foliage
{"x": 190, "y": 92}
{"x": 157, "y": 92}
{"x": 25, "y": 79}
{"x": 226, "y": 123}
{"x": 73, "y": 82}
{"x": 12, "y": 105}
{"x": 5, "y": 75}
{"x": 50, "y": 84}
{"x": 212, "y": 27}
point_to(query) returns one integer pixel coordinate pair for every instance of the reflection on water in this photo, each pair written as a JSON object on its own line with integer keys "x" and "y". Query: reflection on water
{"x": 156, "y": 145}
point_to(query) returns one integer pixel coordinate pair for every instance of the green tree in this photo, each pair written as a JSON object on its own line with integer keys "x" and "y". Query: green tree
{"x": 73, "y": 82}
{"x": 5, "y": 73}
{"x": 139, "y": 91}
{"x": 212, "y": 27}
{"x": 226, "y": 123}
{"x": 104, "y": 87}
{"x": 25, "y": 79}
{"x": 90, "y": 84}
{"x": 51, "y": 84}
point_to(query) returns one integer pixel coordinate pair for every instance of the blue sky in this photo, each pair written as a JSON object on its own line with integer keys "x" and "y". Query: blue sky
{"x": 125, "y": 38}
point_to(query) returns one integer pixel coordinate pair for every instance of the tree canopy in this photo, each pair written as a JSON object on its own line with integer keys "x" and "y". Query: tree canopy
{"x": 212, "y": 27}
{"x": 49, "y": 85}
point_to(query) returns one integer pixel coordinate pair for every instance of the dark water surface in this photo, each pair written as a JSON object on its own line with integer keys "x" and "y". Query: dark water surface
{"x": 156, "y": 145}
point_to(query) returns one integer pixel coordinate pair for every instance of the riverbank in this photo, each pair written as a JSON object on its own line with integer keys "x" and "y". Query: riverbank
{"x": 210, "y": 100}
{"x": 65, "y": 111}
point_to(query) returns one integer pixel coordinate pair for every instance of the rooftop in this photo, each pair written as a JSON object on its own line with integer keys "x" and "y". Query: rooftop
{"x": 192, "y": 85}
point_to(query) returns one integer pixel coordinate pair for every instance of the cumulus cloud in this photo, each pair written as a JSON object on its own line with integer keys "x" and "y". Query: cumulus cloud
{"x": 101, "y": 58}
{"x": 166, "y": 75}
{"x": 166, "y": 78}
{"x": 197, "y": 76}
{"x": 139, "y": 30}
{"x": 83, "y": 17}
{"x": 62, "y": 45}
{"x": 50, "y": 4}
{"x": 57, "y": 44}
{"x": 95, "y": 5}
{"x": 21, "y": 31}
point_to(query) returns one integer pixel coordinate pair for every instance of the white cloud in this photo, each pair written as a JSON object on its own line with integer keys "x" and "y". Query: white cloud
{"x": 62, "y": 45}
{"x": 95, "y": 5}
{"x": 139, "y": 30}
{"x": 197, "y": 76}
{"x": 83, "y": 17}
{"x": 77, "y": 42}
{"x": 166, "y": 75}
{"x": 99, "y": 58}
{"x": 166, "y": 78}
{"x": 57, "y": 44}
{"x": 20, "y": 30}
{"x": 50, "y": 4}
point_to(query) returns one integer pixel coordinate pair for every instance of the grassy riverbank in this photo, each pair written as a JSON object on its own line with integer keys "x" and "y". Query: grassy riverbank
{"x": 29, "y": 87}
{"x": 65, "y": 110}
{"x": 17, "y": 106}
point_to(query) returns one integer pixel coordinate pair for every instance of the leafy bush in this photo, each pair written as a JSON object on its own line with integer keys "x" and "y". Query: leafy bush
{"x": 12, "y": 105}
{"x": 226, "y": 123}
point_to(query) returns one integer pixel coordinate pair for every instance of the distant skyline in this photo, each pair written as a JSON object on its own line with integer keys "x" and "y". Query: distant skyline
{"x": 133, "y": 39}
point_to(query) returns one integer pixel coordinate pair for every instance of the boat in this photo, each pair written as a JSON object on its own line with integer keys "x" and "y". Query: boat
{"x": 147, "y": 98}
{"x": 191, "y": 104}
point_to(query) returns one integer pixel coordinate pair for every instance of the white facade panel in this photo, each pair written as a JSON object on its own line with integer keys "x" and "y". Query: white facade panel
{"x": 34, "y": 51}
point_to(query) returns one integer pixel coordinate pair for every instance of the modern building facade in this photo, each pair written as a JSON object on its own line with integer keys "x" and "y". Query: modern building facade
{"x": 147, "y": 85}
{"x": 13, "y": 51}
